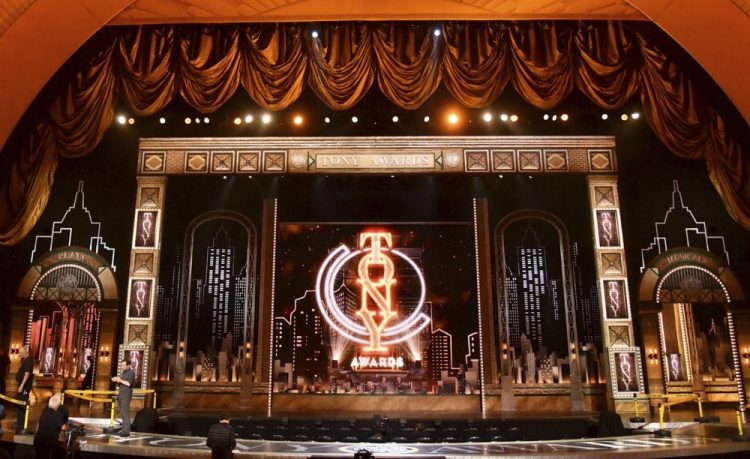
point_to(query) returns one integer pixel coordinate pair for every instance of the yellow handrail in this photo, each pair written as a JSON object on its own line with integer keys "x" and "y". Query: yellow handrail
{"x": 683, "y": 399}
{"x": 24, "y": 403}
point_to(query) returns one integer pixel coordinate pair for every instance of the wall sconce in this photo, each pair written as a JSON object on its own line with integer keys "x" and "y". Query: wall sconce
{"x": 572, "y": 351}
{"x": 746, "y": 355}
{"x": 248, "y": 349}
{"x": 505, "y": 351}
{"x": 15, "y": 349}
{"x": 104, "y": 353}
{"x": 181, "y": 350}
{"x": 653, "y": 356}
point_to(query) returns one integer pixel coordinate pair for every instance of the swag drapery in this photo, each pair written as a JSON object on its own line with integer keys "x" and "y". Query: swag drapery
{"x": 147, "y": 67}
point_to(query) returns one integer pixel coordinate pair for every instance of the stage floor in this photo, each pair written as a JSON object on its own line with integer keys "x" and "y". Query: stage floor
{"x": 689, "y": 439}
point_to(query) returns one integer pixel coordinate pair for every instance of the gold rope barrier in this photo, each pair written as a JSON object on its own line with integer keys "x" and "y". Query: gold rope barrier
{"x": 88, "y": 396}
{"x": 24, "y": 403}
{"x": 679, "y": 400}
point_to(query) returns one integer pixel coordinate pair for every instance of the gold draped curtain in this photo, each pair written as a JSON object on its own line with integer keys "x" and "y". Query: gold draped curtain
{"x": 146, "y": 67}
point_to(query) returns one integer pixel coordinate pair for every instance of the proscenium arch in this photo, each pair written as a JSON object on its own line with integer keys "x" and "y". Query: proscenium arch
{"x": 68, "y": 24}
{"x": 187, "y": 272}
{"x": 501, "y": 278}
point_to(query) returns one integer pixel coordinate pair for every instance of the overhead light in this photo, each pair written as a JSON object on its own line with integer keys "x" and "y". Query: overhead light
{"x": 500, "y": 176}
{"x": 224, "y": 177}
{"x": 298, "y": 120}
{"x": 487, "y": 117}
{"x": 248, "y": 118}
{"x": 503, "y": 117}
{"x": 206, "y": 120}
{"x": 436, "y": 32}
{"x": 395, "y": 119}
{"x": 624, "y": 117}
{"x": 266, "y": 118}
{"x": 546, "y": 117}
{"x": 426, "y": 119}
{"x": 131, "y": 121}
{"x": 354, "y": 119}
{"x": 162, "y": 120}
{"x": 197, "y": 121}
{"x": 554, "y": 117}
{"x": 314, "y": 34}
{"x": 635, "y": 115}
{"x": 513, "y": 118}
{"x": 604, "y": 116}
{"x": 238, "y": 121}
{"x": 188, "y": 120}
{"x": 564, "y": 117}
{"x": 121, "y": 119}
{"x": 453, "y": 118}
{"x": 327, "y": 120}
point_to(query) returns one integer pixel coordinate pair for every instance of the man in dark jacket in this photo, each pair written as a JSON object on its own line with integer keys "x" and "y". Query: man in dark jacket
{"x": 221, "y": 439}
{"x": 25, "y": 380}
{"x": 48, "y": 431}
{"x": 125, "y": 387}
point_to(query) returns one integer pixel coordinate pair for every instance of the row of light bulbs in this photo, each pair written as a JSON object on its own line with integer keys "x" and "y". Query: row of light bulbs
{"x": 452, "y": 118}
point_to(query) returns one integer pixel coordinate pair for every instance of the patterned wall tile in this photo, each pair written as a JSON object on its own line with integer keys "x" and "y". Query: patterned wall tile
{"x": 274, "y": 161}
{"x": 530, "y": 160}
{"x": 196, "y": 161}
{"x": 247, "y": 161}
{"x": 604, "y": 196}
{"x": 611, "y": 263}
{"x": 556, "y": 160}
{"x": 137, "y": 334}
{"x": 149, "y": 197}
{"x": 153, "y": 161}
{"x": 619, "y": 335}
{"x": 222, "y": 161}
{"x": 476, "y": 161}
{"x": 503, "y": 160}
{"x": 143, "y": 263}
{"x": 601, "y": 161}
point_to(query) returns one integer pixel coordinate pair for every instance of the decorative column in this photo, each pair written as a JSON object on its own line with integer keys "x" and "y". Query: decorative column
{"x": 486, "y": 324}
{"x": 624, "y": 372}
{"x": 145, "y": 254}
{"x": 264, "y": 355}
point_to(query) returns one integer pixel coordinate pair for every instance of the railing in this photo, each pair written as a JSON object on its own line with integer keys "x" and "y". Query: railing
{"x": 90, "y": 395}
{"x": 23, "y": 403}
{"x": 678, "y": 400}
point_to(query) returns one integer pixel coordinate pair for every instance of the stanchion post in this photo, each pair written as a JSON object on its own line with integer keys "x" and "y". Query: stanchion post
{"x": 740, "y": 431}
{"x": 662, "y": 432}
{"x": 112, "y": 413}
{"x": 701, "y": 418}
{"x": 154, "y": 398}
{"x": 26, "y": 417}
{"x": 636, "y": 418}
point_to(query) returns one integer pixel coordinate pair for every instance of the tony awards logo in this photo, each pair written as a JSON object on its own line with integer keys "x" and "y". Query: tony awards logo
{"x": 376, "y": 324}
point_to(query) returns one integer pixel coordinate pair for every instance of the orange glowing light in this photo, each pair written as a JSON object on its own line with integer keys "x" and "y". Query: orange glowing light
{"x": 376, "y": 290}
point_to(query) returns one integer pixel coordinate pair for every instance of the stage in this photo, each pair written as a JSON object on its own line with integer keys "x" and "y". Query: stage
{"x": 688, "y": 440}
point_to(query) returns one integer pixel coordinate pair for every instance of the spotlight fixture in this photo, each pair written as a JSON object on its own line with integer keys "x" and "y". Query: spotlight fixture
{"x": 327, "y": 120}
{"x": 545, "y": 117}
{"x": 248, "y": 118}
{"x": 354, "y": 119}
{"x": 624, "y": 117}
{"x": 554, "y": 117}
{"x": 436, "y": 32}
{"x": 487, "y": 117}
{"x": 426, "y": 119}
{"x": 503, "y": 117}
{"x": 298, "y": 120}
{"x": 513, "y": 118}
{"x": 604, "y": 116}
{"x": 314, "y": 34}
{"x": 393, "y": 176}
{"x": 197, "y": 121}
{"x": 266, "y": 118}
{"x": 162, "y": 120}
{"x": 188, "y": 121}
{"x": 500, "y": 176}
{"x": 121, "y": 119}
{"x": 395, "y": 119}
{"x": 131, "y": 121}
{"x": 635, "y": 115}
{"x": 453, "y": 118}
{"x": 223, "y": 177}
{"x": 238, "y": 121}
{"x": 206, "y": 120}
{"x": 564, "y": 117}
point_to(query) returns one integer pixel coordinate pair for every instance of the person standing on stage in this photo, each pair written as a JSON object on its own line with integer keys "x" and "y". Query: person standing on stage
{"x": 4, "y": 369}
{"x": 25, "y": 380}
{"x": 125, "y": 385}
{"x": 221, "y": 439}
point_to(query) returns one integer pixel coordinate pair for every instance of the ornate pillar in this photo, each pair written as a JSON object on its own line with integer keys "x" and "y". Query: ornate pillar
{"x": 143, "y": 275}
{"x": 264, "y": 355}
{"x": 624, "y": 371}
